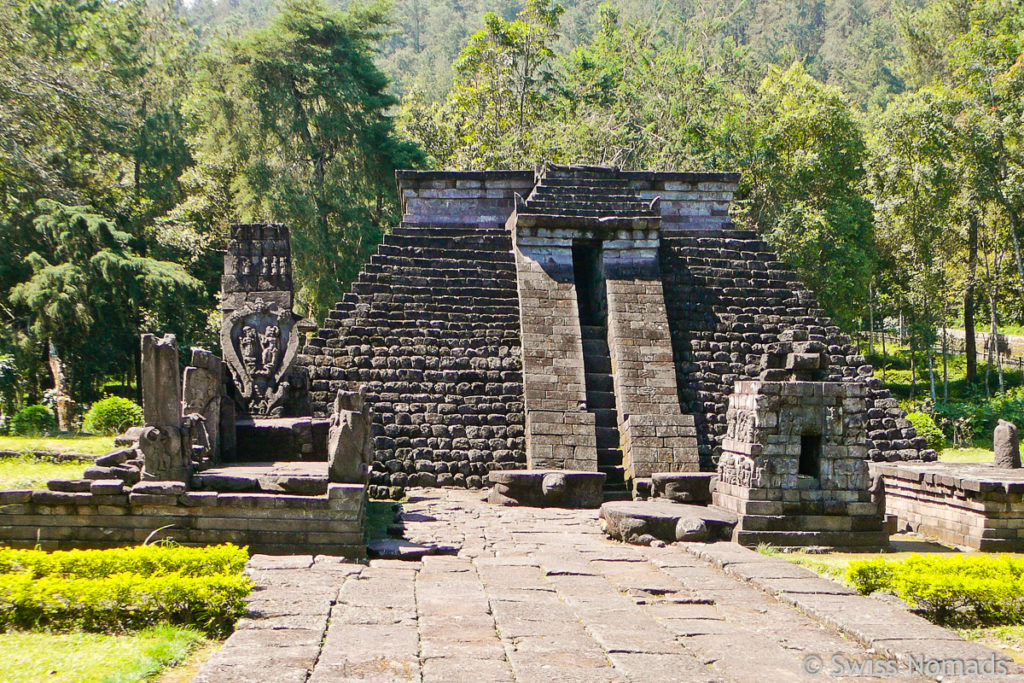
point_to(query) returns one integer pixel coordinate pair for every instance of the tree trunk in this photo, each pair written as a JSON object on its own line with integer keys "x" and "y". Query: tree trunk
{"x": 945, "y": 363}
{"x": 885, "y": 355}
{"x": 1017, "y": 256}
{"x": 970, "y": 344}
{"x": 61, "y": 399}
{"x": 871, "y": 319}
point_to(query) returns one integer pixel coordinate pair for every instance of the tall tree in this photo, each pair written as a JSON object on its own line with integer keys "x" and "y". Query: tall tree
{"x": 291, "y": 123}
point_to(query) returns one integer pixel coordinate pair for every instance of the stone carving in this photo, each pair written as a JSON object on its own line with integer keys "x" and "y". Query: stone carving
{"x": 350, "y": 438}
{"x": 164, "y": 441}
{"x": 201, "y": 395}
{"x": 1006, "y": 444}
{"x": 259, "y": 342}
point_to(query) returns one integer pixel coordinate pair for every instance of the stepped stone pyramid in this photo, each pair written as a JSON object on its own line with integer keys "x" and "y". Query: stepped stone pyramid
{"x": 571, "y": 318}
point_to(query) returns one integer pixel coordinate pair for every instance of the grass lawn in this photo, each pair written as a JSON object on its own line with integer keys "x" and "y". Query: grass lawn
{"x": 29, "y": 472}
{"x": 71, "y": 443}
{"x": 1008, "y": 639}
{"x": 985, "y": 455}
{"x": 90, "y": 657}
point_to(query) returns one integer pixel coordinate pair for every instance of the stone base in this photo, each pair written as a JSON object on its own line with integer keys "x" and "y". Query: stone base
{"x": 641, "y": 522}
{"x": 683, "y": 487}
{"x": 964, "y": 504}
{"x": 297, "y": 478}
{"x": 111, "y": 515}
{"x": 281, "y": 438}
{"x": 803, "y": 517}
{"x": 547, "y": 488}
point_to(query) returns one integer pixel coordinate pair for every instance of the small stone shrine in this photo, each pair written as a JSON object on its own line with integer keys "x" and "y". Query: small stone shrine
{"x": 793, "y": 464}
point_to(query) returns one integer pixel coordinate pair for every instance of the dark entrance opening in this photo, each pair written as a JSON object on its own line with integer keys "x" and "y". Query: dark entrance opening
{"x": 591, "y": 297}
{"x": 810, "y": 455}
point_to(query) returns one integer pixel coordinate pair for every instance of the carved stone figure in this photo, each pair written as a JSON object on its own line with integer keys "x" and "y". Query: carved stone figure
{"x": 350, "y": 438}
{"x": 248, "y": 345}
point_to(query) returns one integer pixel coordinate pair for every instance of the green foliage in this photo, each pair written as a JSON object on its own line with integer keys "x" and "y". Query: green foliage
{"x": 981, "y": 415}
{"x": 123, "y": 589}
{"x": 147, "y": 560}
{"x": 926, "y": 427}
{"x": 112, "y": 415}
{"x": 955, "y": 589}
{"x": 121, "y": 602}
{"x": 35, "y": 420}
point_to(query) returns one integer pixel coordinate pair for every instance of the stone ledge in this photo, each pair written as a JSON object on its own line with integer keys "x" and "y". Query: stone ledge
{"x": 547, "y": 488}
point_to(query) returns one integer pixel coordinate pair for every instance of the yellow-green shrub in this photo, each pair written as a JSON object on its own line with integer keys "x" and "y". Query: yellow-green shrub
{"x": 147, "y": 560}
{"x": 957, "y": 589}
{"x": 122, "y": 602}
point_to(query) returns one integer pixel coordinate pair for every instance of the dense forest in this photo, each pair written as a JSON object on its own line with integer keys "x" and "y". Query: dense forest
{"x": 879, "y": 141}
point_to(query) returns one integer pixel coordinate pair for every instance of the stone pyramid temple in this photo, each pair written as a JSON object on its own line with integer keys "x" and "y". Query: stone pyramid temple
{"x": 576, "y": 318}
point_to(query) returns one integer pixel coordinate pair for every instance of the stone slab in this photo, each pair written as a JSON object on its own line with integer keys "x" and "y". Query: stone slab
{"x": 641, "y": 522}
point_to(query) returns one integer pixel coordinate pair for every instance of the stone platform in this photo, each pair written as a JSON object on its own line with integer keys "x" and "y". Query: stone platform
{"x": 106, "y": 513}
{"x": 299, "y": 478}
{"x": 269, "y": 439}
{"x": 540, "y": 594}
{"x": 641, "y": 522}
{"x": 547, "y": 488}
{"x": 683, "y": 487}
{"x": 966, "y": 504}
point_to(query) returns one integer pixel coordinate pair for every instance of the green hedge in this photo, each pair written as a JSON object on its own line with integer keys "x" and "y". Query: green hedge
{"x": 122, "y": 602}
{"x": 954, "y": 589}
{"x": 147, "y": 560}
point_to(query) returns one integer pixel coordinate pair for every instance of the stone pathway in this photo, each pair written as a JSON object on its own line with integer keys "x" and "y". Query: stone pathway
{"x": 541, "y": 595}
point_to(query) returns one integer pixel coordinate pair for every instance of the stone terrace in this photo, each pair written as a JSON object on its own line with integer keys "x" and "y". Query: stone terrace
{"x": 541, "y": 595}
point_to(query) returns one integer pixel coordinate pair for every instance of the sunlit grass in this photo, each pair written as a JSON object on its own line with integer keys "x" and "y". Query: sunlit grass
{"x": 967, "y": 455}
{"x": 29, "y": 657}
{"x": 72, "y": 443}
{"x": 29, "y": 472}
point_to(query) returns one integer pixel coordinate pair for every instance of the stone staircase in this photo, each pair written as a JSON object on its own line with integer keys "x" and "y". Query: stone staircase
{"x": 597, "y": 366}
{"x": 431, "y": 327}
{"x": 586, "y": 193}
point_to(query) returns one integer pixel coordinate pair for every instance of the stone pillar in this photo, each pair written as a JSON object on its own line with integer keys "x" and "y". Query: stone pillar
{"x": 559, "y": 432}
{"x": 656, "y": 436}
{"x": 163, "y": 441}
{"x": 350, "y": 439}
{"x": 1006, "y": 444}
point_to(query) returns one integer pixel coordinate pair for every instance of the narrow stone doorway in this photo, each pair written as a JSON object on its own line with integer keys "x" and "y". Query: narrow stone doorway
{"x": 592, "y": 303}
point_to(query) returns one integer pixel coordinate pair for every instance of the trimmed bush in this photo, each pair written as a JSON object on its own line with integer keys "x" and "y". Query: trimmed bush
{"x": 926, "y": 427}
{"x": 34, "y": 420}
{"x": 122, "y": 602}
{"x": 112, "y": 415}
{"x": 147, "y": 560}
{"x": 953, "y": 589}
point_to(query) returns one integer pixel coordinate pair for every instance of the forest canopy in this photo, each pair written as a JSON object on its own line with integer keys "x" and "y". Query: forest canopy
{"x": 879, "y": 143}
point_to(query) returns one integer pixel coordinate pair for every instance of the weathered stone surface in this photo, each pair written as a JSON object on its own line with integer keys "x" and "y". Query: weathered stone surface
{"x": 683, "y": 487}
{"x": 547, "y": 488}
{"x": 201, "y": 394}
{"x": 1006, "y": 445}
{"x": 161, "y": 383}
{"x": 640, "y": 522}
{"x": 349, "y": 440}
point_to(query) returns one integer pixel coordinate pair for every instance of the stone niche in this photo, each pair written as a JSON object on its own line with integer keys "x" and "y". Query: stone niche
{"x": 793, "y": 464}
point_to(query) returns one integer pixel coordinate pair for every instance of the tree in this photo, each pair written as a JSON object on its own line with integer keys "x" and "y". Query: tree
{"x": 291, "y": 123}
{"x": 88, "y": 277}
{"x": 804, "y": 164}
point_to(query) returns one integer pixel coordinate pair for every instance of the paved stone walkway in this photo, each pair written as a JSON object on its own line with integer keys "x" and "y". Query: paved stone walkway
{"x": 541, "y": 595}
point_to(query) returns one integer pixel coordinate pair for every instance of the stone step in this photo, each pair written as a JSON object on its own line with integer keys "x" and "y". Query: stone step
{"x": 597, "y": 364}
{"x": 607, "y": 207}
{"x": 583, "y": 183}
{"x": 599, "y": 381}
{"x": 555, "y": 209}
{"x": 607, "y": 437}
{"x": 595, "y": 347}
{"x": 609, "y": 457}
{"x": 594, "y": 332}
{"x": 600, "y": 399}
{"x": 861, "y": 540}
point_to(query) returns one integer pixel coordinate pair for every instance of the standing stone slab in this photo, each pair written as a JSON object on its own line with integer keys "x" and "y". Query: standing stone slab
{"x": 202, "y": 391}
{"x": 161, "y": 383}
{"x": 1006, "y": 444}
{"x": 350, "y": 439}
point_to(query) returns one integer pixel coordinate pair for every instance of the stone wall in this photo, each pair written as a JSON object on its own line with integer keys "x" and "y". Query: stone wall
{"x": 977, "y": 506}
{"x": 109, "y": 515}
{"x": 443, "y": 198}
{"x": 560, "y": 434}
{"x": 728, "y": 297}
{"x": 689, "y": 201}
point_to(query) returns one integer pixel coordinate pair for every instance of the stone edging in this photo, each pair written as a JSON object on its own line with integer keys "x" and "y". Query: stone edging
{"x": 891, "y": 630}
{"x": 51, "y": 455}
